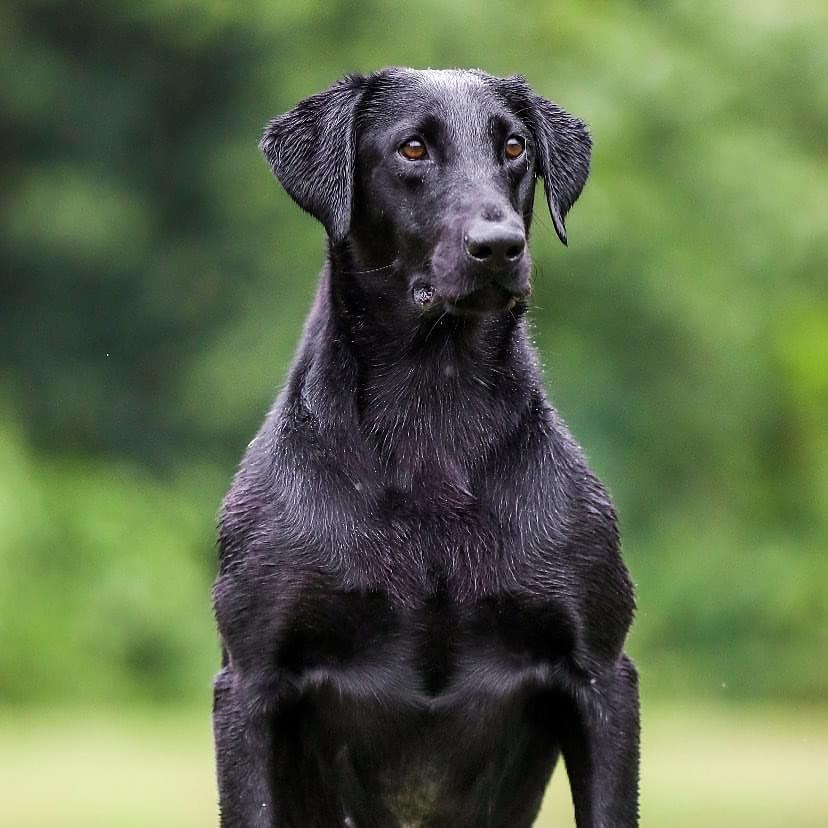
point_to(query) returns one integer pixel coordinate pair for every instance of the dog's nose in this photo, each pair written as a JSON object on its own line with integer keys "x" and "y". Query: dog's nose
{"x": 495, "y": 243}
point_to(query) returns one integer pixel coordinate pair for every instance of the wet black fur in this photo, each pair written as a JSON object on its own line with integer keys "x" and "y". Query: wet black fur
{"x": 421, "y": 599}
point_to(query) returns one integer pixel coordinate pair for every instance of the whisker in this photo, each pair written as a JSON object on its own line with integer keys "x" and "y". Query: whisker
{"x": 439, "y": 320}
{"x": 370, "y": 270}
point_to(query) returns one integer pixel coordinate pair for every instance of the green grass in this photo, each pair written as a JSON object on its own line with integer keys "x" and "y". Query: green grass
{"x": 702, "y": 767}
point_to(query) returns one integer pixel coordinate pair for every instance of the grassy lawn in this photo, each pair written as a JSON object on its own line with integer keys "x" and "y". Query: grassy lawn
{"x": 702, "y": 767}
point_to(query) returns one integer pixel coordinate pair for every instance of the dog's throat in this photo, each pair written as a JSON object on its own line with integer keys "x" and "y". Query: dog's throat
{"x": 430, "y": 399}
{"x": 430, "y": 426}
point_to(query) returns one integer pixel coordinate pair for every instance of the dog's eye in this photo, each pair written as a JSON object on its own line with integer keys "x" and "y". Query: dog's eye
{"x": 515, "y": 147}
{"x": 413, "y": 149}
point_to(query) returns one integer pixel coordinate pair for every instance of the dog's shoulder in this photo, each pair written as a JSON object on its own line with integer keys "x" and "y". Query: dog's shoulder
{"x": 542, "y": 475}
{"x": 560, "y": 523}
{"x": 271, "y": 476}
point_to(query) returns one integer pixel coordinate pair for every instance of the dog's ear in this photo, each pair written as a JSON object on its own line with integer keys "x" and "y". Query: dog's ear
{"x": 564, "y": 149}
{"x": 311, "y": 150}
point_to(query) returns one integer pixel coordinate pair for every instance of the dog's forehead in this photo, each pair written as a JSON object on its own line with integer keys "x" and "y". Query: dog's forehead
{"x": 466, "y": 100}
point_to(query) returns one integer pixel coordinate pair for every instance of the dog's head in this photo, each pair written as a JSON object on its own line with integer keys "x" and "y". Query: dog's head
{"x": 430, "y": 175}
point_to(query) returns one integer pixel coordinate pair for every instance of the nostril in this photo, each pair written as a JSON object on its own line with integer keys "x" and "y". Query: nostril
{"x": 514, "y": 252}
{"x": 478, "y": 250}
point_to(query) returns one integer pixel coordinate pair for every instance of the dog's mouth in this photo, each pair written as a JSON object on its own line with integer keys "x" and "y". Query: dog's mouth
{"x": 491, "y": 298}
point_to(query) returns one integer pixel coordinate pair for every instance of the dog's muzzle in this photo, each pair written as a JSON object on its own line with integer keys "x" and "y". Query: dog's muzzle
{"x": 480, "y": 266}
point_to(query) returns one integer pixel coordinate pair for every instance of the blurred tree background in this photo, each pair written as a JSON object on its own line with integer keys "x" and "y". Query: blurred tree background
{"x": 155, "y": 281}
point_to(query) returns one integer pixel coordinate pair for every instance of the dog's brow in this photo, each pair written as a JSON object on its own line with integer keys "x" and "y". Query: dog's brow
{"x": 467, "y": 118}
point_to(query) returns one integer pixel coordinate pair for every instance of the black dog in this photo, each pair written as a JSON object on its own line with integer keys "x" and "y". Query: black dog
{"x": 421, "y": 599}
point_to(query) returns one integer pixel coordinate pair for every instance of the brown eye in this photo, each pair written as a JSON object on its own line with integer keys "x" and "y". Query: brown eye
{"x": 413, "y": 150}
{"x": 514, "y": 147}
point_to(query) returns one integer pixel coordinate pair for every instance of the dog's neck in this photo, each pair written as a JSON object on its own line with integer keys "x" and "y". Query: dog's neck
{"x": 428, "y": 394}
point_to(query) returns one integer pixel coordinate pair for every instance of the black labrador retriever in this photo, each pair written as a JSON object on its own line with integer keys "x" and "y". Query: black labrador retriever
{"x": 420, "y": 595}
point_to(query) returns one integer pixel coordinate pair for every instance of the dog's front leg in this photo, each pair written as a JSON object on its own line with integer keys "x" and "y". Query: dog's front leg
{"x": 600, "y": 745}
{"x": 244, "y": 756}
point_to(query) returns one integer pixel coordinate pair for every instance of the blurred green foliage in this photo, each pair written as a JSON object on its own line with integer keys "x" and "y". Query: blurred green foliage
{"x": 155, "y": 280}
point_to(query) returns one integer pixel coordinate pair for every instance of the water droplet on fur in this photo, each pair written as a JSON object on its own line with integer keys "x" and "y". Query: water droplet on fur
{"x": 423, "y": 295}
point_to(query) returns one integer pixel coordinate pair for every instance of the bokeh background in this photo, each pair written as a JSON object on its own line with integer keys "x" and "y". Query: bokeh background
{"x": 154, "y": 283}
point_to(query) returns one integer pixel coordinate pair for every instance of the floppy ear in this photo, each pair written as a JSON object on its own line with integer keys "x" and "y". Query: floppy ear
{"x": 311, "y": 150}
{"x": 564, "y": 148}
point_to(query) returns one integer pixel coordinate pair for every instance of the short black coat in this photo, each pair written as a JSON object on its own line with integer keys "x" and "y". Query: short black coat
{"x": 421, "y": 597}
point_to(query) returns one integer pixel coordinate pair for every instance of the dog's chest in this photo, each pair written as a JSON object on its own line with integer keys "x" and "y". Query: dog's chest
{"x": 425, "y": 704}
{"x": 431, "y": 651}
{"x": 427, "y": 603}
